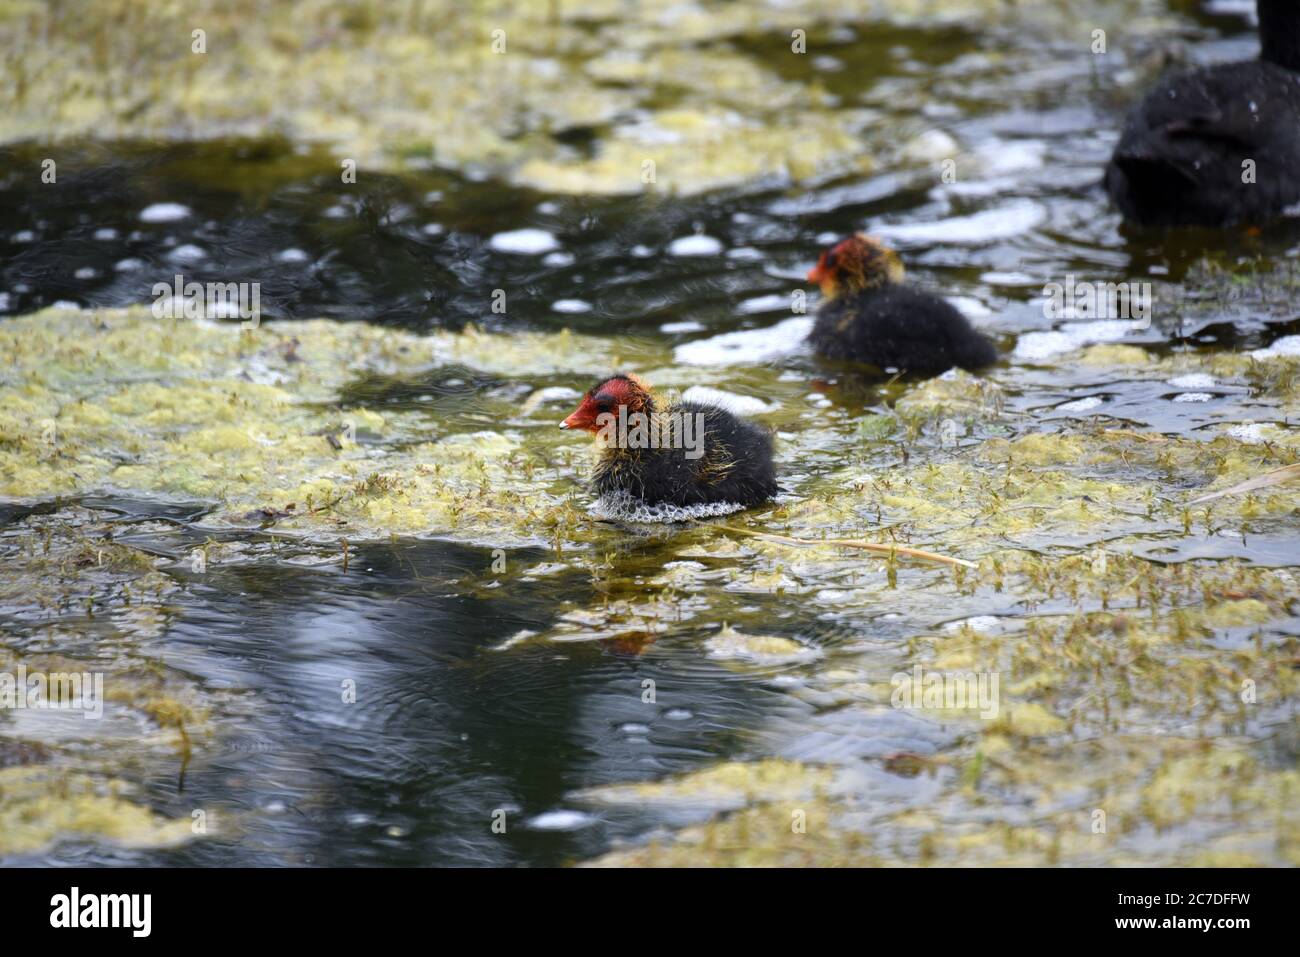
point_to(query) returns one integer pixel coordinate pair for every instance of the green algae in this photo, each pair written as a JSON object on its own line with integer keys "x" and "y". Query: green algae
{"x": 760, "y": 836}
{"x": 732, "y": 645}
{"x": 1086, "y": 698}
{"x": 78, "y": 590}
{"x": 958, "y": 397}
{"x": 720, "y": 92}
{"x": 40, "y": 806}
{"x": 1096, "y": 816}
{"x": 723, "y": 786}
{"x": 497, "y": 85}
{"x": 93, "y": 606}
{"x": 200, "y": 418}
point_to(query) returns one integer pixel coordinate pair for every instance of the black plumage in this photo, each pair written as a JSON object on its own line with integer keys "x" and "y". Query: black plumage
{"x": 869, "y": 317}
{"x": 896, "y": 327}
{"x": 735, "y": 467}
{"x": 734, "y": 464}
{"x": 1220, "y": 145}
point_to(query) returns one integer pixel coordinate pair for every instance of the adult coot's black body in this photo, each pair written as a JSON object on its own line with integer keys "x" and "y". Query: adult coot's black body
{"x": 869, "y": 317}
{"x": 1220, "y": 145}
{"x": 688, "y": 453}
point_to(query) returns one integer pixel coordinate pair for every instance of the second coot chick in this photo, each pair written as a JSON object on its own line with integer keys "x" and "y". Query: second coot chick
{"x": 687, "y": 453}
{"x": 1220, "y": 145}
{"x": 869, "y": 316}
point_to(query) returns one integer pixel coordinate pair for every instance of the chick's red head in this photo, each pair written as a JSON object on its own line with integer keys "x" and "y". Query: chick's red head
{"x": 855, "y": 263}
{"x": 606, "y": 398}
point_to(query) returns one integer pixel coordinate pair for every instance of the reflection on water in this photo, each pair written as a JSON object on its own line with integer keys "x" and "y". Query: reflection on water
{"x": 446, "y": 729}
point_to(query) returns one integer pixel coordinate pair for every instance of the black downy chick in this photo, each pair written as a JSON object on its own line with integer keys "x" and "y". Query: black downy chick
{"x": 1220, "y": 145}
{"x": 868, "y": 316}
{"x": 705, "y": 454}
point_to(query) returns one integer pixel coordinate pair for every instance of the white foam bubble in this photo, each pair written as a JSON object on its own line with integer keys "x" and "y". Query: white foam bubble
{"x": 1249, "y": 432}
{"x": 622, "y": 507}
{"x": 188, "y": 253}
{"x": 561, "y": 821}
{"x": 977, "y": 188}
{"x": 571, "y": 305}
{"x": 1239, "y": 8}
{"x": 1033, "y": 346}
{"x": 555, "y": 393}
{"x": 996, "y": 278}
{"x": 738, "y": 404}
{"x": 292, "y": 255}
{"x": 688, "y": 325}
{"x": 1193, "y": 397}
{"x": 1286, "y": 346}
{"x": 969, "y": 307}
{"x": 1080, "y": 405}
{"x": 524, "y": 242}
{"x": 775, "y": 302}
{"x": 991, "y": 225}
{"x": 699, "y": 245}
{"x": 746, "y": 346}
{"x": 929, "y": 147}
{"x": 985, "y": 623}
{"x": 164, "y": 213}
{"x": 999, "y": 157}
{"x": 1193, "y": 380}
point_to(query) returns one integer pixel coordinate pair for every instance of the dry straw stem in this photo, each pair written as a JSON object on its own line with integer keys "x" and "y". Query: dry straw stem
{"x": 1275, "y": 477}
{"x": 848, "y": 543}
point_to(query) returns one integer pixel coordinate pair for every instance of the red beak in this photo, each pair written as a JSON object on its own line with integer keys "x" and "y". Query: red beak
{"x": 579, "y": 418}
{"x": 817, "y": 273}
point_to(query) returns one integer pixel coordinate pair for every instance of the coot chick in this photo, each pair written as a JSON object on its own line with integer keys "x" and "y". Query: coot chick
{"x": 869, "y": 316}
{"x": 1220, "y": 145}
{"x": 683, "y": 454}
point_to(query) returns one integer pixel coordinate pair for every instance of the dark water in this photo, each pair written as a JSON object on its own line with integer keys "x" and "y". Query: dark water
{"x": 446, "y": 729}
{"x": 453, "y": 730}
{"x": 413, "y": 251}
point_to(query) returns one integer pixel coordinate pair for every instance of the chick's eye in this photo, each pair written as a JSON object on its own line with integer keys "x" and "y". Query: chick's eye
{"x": 604, "y": 404}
